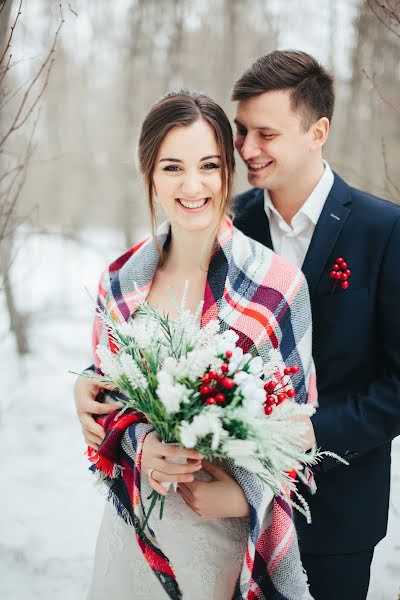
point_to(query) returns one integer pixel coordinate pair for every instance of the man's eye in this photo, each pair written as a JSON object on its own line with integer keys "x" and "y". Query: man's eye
{"x": 209, "y": 166}
{"x": 172, "y": 168}
{"x": 267, "y": 136}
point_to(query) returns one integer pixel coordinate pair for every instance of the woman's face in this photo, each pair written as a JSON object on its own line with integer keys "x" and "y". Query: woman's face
{"x": 187, "y": 177}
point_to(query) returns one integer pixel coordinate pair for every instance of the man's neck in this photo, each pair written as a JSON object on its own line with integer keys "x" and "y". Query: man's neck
{"x": 289, "y": 199}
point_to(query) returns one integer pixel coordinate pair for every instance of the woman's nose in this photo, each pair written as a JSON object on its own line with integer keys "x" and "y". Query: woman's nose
{"x": 192, "y": 184}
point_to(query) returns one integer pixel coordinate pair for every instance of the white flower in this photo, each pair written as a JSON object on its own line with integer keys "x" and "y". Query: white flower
{"x": 132, "y": 372}
{"x": 226, "y": 341}
{"x": 206, "y": 423}
{"x": 235, "y": 360}
{"x": 196, "y": 362}
{"x": 109, "y": 362}
{"x": 171, "y": 394}
{"x": 238, "y": 448}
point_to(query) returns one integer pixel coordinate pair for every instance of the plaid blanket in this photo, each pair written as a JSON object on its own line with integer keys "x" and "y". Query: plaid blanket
{"x": 265, "y": 300}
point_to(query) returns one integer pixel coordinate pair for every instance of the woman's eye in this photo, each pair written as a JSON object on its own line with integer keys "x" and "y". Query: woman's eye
{"x": 172, "y": 168}
{"x": 209, "y": 166}
{"x": 267, "y": 136}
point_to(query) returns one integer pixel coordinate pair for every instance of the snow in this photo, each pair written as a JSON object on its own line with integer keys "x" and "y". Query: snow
{"x": 50, "y": 508}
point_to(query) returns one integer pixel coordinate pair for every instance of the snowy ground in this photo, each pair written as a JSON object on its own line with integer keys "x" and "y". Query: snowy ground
{"x": 49, "y": 508}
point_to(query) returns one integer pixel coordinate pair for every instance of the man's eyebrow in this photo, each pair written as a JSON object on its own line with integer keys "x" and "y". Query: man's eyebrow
{"x": 260, "y": 127}
{"x": 178, "y": 160}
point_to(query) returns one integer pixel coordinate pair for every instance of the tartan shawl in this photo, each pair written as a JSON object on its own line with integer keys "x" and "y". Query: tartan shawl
{"x": 265, "y": 300}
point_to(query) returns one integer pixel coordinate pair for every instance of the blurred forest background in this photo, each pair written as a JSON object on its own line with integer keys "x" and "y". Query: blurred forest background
{"x": 76, "y": 80}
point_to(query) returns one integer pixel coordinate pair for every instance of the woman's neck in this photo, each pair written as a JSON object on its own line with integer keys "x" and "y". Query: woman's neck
{"x": 188, "y": 251}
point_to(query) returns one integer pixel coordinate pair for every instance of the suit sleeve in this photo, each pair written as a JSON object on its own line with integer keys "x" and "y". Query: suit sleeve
{"x": 371, "y": 418}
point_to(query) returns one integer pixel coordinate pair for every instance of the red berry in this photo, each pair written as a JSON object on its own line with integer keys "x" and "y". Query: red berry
{"x": 332, "y": 274}
{"x": 206, "y": 378}
{"x": 344, "y": 265}
{"x": 213, "y": 375}
{"x": 220, "y": 398}
{"x": 348, "y": 272}
{"x": 344, "y": 277}
{"x": 270, "y": 386}
{"x": 336, "y": 267}
{"x": 228, "y": 354}
{"x": 270, "y": 400}
{"x": 338, "y": 275}
{"x": 340, "y": 260}
{"x": 291, "y": 393}
{"x": 281, "y": 397}
{"x": 268, "y": 409}
{"x": 227, "y": 383}
{"x": 224, "y": 367}
{"x": 295, "y": 369}
{"x": 205, "y": 390}
{"x": 211, "y": 400}
{"x": 345, "y": 285}
{"x": 287, "y": 371}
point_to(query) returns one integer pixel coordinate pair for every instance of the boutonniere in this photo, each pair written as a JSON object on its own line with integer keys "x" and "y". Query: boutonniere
{"x": 340, "y": 272}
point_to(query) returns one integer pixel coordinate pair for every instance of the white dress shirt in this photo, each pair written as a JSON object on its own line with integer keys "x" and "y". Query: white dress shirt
{"x": 292, "y": 241}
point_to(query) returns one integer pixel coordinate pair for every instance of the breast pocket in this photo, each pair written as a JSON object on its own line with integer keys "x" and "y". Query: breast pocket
{"x": 342, "y": 323}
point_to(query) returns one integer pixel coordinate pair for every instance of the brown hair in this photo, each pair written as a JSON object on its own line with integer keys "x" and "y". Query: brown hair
{"x": 181, "y": 109}
{"x": 311, "y": 85}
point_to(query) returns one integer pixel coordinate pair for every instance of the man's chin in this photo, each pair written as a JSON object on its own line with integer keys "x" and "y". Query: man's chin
{"x": 259, "y": 181}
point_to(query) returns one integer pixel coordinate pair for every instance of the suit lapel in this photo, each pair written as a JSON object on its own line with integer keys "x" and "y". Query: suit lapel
{"x": 253, "y": 221}
{"x": 328, "y": 228}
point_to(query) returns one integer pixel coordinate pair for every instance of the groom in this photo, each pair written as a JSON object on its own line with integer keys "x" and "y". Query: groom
{"x": 348, "y": 246}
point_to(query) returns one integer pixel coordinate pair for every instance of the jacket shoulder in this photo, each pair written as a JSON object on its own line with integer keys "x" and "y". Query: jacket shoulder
{"x": 245, "y": 199}
{"x": 373, "y": 207}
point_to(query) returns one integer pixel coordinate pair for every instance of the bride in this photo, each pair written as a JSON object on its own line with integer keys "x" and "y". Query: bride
{"x": 222, "y": 539}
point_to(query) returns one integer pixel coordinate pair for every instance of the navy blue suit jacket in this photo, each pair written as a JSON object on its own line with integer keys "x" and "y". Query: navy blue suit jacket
{"x": 356, "y": 348}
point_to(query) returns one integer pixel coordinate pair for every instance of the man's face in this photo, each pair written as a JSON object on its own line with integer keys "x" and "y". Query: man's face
{"x": 271, "y": 140}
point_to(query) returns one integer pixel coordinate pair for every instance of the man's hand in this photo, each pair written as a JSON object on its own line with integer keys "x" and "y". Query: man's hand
{"x": 222, "y": 497}
{"x": 308, "y": 439}
{"x": 85, "y": 392}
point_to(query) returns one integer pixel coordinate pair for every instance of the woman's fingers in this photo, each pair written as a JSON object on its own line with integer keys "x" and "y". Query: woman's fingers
{"x": 156, "y": 485}
{"x": 92, "y": 441}
{"x": 177, "y": 451}
{"x": 175, "y": 468}
{"x": 187, "y": 500}
{"x": 89, "y": 425}
{"x": 160, "y": 476}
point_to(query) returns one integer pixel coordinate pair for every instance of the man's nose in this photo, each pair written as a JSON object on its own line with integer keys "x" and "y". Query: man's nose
{"x": 249, "y": 148}
{"x": 192, "y": 185}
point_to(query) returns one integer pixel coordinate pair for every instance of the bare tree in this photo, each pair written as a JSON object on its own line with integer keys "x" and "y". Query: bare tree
{"x": 19, "y": 113}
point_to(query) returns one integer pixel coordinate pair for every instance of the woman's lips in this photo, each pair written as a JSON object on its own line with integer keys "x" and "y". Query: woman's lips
{"x": 193, "y": 206}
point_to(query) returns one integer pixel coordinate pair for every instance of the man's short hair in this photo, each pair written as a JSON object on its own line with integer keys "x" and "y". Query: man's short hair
{"x": 311, "y": 86}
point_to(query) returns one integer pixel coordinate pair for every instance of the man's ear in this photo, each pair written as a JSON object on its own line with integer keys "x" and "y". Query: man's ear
{"x": 320, "y": 132}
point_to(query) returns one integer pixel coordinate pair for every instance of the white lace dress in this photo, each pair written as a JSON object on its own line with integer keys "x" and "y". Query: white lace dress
{"x": 206, "y": 555}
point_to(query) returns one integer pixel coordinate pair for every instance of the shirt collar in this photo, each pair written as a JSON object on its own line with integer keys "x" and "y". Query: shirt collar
{"x": 314, "y": 204}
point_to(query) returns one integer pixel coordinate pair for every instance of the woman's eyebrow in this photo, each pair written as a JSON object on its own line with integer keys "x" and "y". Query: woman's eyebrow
{"x": 178, "y": 160}
{"x": 171, "y": 160}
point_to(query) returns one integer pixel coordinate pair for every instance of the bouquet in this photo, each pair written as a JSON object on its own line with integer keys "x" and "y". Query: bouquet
{"x": 200, "y": 390}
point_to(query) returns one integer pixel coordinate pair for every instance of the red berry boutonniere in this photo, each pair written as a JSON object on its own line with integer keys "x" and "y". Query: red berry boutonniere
{"x": 340, "y": 273}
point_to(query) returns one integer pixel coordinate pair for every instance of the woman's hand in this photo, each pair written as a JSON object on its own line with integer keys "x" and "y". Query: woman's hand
{"x": 158, "y": 469}
{"x": 222, "y": 497}
{"x": 85, "y": 392}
